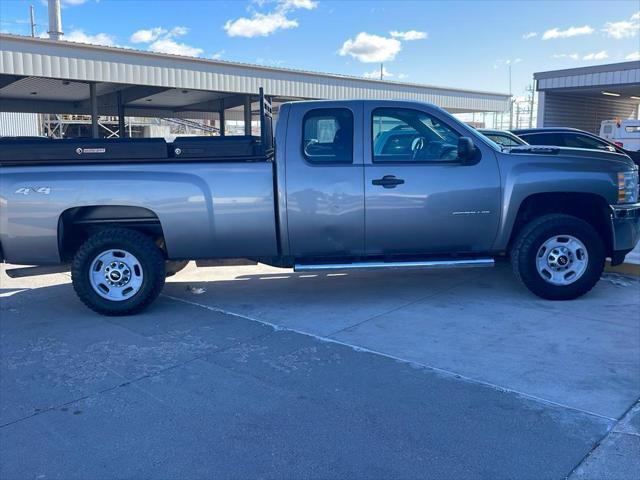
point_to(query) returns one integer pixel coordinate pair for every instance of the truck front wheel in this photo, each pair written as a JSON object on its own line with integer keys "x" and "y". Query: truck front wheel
{"x": 118, "y": 272}
{"x": 558, "y": 257}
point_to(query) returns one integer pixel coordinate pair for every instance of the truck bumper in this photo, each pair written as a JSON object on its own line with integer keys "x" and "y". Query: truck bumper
{"x": 625, "y": 227}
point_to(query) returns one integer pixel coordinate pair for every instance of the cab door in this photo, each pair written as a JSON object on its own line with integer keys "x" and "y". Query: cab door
{"x": 420, "y": 198}
{"x": 324, "y": 179}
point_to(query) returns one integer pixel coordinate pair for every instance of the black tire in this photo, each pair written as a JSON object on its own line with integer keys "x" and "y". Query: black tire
{"x": 535, "y": 234}
{"x": 150, "y": 257}
{"x": 174, "y": 266}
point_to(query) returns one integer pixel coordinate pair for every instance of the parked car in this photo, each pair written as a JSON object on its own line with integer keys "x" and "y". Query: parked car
{"x": 623, "y": 133}
{"x": 572, "y": 137}
{"x": 328, "y": 199}
{"x": 502, "y": 137}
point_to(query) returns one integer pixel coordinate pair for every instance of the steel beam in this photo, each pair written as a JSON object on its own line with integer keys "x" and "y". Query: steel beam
{"x": 6, "y": 80}
{"x": 247, "y": 115}
{"x": 93, "y": 98}
{"x": 121, "y": 132}
{"x": 216, "y": 105}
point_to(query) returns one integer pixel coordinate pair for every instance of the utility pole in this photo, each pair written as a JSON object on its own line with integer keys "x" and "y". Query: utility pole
{"x": 510, "y": 100}
{"x": 381, "y": 70}
{"x": 32, "y": 15}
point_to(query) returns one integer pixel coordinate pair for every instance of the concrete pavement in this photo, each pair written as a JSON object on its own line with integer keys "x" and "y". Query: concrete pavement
{"x": 474, "y": 378}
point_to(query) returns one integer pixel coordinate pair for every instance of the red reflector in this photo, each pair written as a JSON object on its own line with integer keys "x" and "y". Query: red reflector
{"x": 618, "y": 144}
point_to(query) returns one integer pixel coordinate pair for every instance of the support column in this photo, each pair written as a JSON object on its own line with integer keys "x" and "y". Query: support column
{"x": 121, "y": 131}
{"x": 94, "y": 110}
{"x": 247, "y": 115}
{"x": 540, "y": 115}
{"x": 221, "y": 115}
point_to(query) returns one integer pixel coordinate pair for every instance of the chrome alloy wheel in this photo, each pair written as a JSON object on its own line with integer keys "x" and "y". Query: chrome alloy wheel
{"x": 116, "y": 275}
{"x": 562, "y": 260}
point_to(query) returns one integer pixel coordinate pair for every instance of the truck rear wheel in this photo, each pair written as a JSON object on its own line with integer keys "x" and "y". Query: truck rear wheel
{"x": 558, "y": 257}
{"x": 118, "y": 272}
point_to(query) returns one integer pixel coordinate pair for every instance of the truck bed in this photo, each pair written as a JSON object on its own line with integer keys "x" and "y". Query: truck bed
{"x": 206, "y": 208}
{"x": 15, "y": 151}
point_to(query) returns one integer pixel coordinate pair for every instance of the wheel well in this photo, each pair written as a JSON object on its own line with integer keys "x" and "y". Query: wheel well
{"x": 77, "y": 224}
{"x": 589, "y": 207}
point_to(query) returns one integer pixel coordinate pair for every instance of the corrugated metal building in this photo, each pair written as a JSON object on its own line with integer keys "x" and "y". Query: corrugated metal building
{"x": 584, "y": 97}
{"x": 19, "y": 124}
{"x": 48, "y": 76}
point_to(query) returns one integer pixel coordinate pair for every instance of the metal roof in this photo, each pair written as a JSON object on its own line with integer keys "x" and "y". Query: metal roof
{"x": 613, "y": 74}
{"x": 42, "y": 75}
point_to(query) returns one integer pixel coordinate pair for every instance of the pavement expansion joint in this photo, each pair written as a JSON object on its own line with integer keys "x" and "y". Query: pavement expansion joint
{"x": 445, "y": 372}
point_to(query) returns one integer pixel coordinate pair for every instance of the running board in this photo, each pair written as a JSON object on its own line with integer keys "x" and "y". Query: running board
{"x": 37, "y": 270}
{"x": 465, "y": 263}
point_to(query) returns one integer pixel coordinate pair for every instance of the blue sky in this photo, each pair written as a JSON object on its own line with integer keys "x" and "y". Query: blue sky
{"x": 466, "y": 44}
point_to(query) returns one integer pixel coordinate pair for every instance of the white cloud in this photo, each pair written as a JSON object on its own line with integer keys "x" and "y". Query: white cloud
{"x": 635, "y": 56}
{"x": 295, "y": 4}
{"x": 375, "y": 74}
{"x": 79, "y": 36}
{"x": 259, "y": 25}
{"x": 264, "y": 24}
{"x": 147, "y": 36}
{"x": 178, "y": 31}
{"x": 569, "y": 32}
{"x": 73, "y": 2}
{"x": 218, "y": 55}
{"x": 596, "y": 55}
{"x": 408, "y": 35}
{"x": 621, "y": 29}
{"x": 162, "y": 40}
{"x": 572, "y": 56}
{"x": 270, "y": 62}
{"x": 369, "y": 48}
{"x": 168, "y": 45}
{"x": 529, "y": 35}
{"x": 624, "y": 28}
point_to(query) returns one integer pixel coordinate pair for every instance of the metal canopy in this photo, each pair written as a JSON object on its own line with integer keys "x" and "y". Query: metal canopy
{"x": 599, "y": 76}
{"x": 47, "y": 76}
{"x": 584, "y": 97}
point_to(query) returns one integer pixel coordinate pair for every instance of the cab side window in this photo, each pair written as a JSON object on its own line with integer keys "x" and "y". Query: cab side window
{"x": 405, "y": 135}
{"x": 503, "y": 140}
{"x": 327, "y": 135}
{"x": 544, "y": 139}
{"x": 583, "y": 141}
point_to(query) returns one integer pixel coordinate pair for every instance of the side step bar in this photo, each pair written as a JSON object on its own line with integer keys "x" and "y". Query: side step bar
{"x": 37, "y": 270}
{"x": 463, "y": 263}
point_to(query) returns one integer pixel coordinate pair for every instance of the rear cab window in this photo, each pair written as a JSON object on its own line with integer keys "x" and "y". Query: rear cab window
{"x": 327, "y": 136}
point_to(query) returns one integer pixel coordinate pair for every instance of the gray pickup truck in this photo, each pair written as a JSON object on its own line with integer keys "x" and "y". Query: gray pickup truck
{"x": 344, "y": 185}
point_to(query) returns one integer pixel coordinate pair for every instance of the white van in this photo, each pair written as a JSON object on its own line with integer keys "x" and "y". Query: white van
{"x": 624, "y": 133}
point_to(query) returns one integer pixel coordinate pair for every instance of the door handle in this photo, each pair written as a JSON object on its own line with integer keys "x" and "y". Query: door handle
{"x": 388, "y": 181}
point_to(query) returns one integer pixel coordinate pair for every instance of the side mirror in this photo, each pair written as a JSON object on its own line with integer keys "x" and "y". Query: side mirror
{"x": 466, "y": 150}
